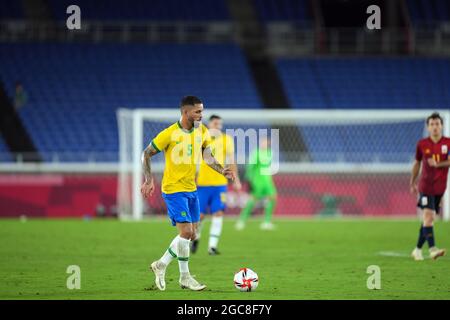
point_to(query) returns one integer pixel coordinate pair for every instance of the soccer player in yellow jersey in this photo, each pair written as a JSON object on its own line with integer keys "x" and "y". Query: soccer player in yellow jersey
{"x": 184, "y": 143}
{"x": 212, "y": 186}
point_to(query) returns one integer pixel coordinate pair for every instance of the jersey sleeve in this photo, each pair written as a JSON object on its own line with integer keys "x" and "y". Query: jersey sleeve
{"x": 419, "y": 154}
{"x": 161, "y": 141}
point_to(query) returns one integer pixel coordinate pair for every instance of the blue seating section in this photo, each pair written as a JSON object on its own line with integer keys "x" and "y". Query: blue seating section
{"x": 11, "y": 9}
{"x": 429, "y": 12}
{"x": 283, "y": 10}
{"x": 141, "y": 10}
{"x": 374, "y": 83}
{"x": 363, "y": 142}
{"x": 358, "y": 83}
{"x": 5, "y": 154}
{"x": 75, "y": 89}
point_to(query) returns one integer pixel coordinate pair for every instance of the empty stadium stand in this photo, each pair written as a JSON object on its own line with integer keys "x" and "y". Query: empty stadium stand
{"x": 75, "y": 89}
{"x": 363, "y": 142}
{"x": 358, "y": 83}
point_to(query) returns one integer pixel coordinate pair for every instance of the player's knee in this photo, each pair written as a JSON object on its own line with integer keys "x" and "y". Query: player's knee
{"x": 428, "y": 218}
{"x": 187, "y": 233}
{"x": 428, "y": 223}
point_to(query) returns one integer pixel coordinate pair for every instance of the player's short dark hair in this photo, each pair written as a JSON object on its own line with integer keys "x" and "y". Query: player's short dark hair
{"x": 214, "y": 117}
{"x": 190, "y": 101}
{"x": 433, "y": 116}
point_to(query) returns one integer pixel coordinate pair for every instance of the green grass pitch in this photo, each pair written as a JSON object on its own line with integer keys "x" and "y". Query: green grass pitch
{"x": 302, "y": 259}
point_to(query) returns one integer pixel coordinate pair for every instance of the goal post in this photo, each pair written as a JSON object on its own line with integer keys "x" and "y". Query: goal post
{"x": 368, "y": 150}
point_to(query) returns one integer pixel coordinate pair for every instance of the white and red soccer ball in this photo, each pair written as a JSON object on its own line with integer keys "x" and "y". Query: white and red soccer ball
{"x": 246, "y": 280}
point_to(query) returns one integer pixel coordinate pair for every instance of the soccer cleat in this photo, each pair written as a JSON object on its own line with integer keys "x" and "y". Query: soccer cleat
{"x": 159, "y": 269}
{"x": 240, "y": 225}
{"x": 417, "y": 254}
{"x": 194, "y": 246}
{"x": 436, "y": 253}
{"x": 188, "y": 282}
{"x": 267, "y": 226}
{"x": 213, "y": 251}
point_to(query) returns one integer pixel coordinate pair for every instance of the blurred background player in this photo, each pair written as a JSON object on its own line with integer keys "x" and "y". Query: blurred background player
{"x": 433, "y": 153}
{"x": 183, "y": 142}
{"x": 212, "y": 186}
{"x": 261, "y": 184}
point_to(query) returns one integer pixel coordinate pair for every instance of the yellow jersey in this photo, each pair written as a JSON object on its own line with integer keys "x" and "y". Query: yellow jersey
{"x": 182, "y": 153}
{"x": 222, "y": 147}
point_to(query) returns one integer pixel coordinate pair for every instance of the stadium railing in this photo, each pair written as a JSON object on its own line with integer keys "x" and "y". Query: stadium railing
{"x": 283, "y": 38}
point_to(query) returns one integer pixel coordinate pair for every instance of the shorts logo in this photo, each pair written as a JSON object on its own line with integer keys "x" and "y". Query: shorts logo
{"x": 223, "y": 197}
{"x": 444, "y": 149}
{"x": 424, "y": 201}
{"x": 183, "y": 213}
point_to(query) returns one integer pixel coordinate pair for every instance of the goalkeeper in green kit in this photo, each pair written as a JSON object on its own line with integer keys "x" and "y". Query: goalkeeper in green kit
{"x": 262, "y": 186}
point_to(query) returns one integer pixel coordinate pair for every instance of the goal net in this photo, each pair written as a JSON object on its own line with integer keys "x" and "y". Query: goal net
{"x": 326, "y": 162}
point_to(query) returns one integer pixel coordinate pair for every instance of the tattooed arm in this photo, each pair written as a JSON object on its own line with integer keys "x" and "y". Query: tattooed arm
{"x": 237, "y": 181}
{"x": 148, "y": 186}
{"x": 214, "y": 164}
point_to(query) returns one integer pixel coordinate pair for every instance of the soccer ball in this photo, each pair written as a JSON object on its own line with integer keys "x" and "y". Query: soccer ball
{"x": 246, "y": 280}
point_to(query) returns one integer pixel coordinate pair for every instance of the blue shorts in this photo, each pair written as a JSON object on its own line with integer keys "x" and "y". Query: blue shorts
{"x": 212, "y": 198}
{"x": 182, "y": 207}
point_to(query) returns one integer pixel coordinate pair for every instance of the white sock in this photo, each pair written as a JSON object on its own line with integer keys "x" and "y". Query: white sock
{"x": 183, "y": 255}
{"x": 171, "y": 252}
{"x": 198, "y": 234}
{"x": 216, "y": 230}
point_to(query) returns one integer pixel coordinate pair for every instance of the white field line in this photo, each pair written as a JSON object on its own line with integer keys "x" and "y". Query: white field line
{"x": 397, "y": 254}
